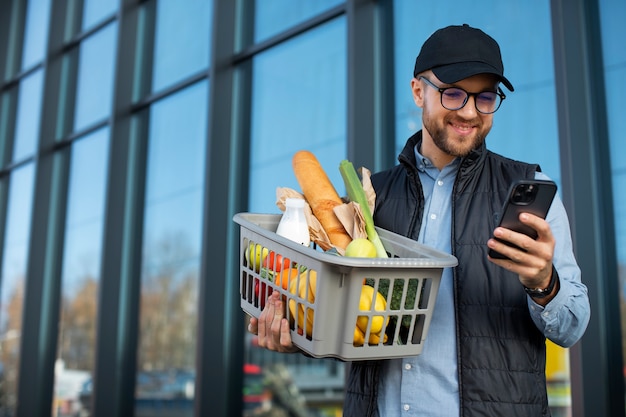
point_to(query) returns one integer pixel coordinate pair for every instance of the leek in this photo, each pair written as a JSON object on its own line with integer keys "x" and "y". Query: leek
{"x": 357, "y": 195}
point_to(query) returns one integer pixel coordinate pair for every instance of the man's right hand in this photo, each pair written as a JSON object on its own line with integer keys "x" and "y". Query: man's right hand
{"x": 272, "y": 327}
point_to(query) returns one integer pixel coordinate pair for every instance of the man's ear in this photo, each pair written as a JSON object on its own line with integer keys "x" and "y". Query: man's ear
{"x": 417, "y": 88}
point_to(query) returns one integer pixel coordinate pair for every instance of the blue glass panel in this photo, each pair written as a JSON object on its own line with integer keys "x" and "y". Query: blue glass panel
{"x": 171, "y": 251}
{"x": 525, "y": 127}
{"x": 177, "y": 143}
{"x": 36, "y": 33}
{"x": 96, "y": 10}
{"x": 616, "y": 86}
{"x": 81, "y": 259}
{"x": 298, "y": 102}
{"x": 87, "y": 180}
{"x": 12, "y": 280}
{"x": 28, "y": 115}
{"x": 181, "y": 46}
{"x": 95, "y": 77}
{"x": 274, "y": 16}
{"x": 613, "y": 14}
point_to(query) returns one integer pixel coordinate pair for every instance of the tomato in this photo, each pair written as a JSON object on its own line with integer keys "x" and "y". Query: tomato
{"x": 277, "y": 264}
{"x": 286, "y": 276}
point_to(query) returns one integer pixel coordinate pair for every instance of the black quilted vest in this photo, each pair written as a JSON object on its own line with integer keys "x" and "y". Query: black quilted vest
{"x": 501, "y": 353}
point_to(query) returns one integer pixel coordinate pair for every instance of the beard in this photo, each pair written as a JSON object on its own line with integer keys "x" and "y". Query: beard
{"x": 454, "y": 144}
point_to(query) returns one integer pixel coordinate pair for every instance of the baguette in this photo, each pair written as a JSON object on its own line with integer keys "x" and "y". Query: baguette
{"x": 321, "y": 196}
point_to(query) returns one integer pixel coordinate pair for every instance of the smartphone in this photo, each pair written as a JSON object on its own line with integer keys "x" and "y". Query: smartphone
{"x": 525, "y": 196}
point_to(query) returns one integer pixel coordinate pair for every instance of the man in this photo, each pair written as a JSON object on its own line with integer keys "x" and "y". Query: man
{"x": 485, "y": 351}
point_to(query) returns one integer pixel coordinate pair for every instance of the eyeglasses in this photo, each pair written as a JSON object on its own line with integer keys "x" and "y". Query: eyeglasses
{"x": 454, "y": 98}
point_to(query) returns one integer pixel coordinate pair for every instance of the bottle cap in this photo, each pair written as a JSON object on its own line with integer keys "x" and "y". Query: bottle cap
{"x": 294, "y": 202}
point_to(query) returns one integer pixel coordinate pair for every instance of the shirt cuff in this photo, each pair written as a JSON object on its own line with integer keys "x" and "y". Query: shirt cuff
{"x": 548, "y": 314}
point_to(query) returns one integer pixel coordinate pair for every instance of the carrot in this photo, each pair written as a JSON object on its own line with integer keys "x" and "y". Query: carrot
{"x": 321, "y": 196}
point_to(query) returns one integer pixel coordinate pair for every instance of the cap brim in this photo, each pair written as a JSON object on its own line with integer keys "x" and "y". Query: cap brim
{"x": 453, "y": 73}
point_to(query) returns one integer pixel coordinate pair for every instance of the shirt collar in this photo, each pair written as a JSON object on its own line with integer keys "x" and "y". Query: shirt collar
{"x": 424, "y": 164}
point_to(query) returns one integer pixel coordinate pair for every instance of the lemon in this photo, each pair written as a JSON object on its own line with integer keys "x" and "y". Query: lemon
{"x": 375, "y": 339}
{"x": 361, "y": 248}
{"x": 365, "y": 304}
{"x": 359, "y": 337}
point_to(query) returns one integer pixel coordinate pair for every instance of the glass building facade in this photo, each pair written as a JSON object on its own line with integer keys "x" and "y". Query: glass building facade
{"x": 131, "y": 132}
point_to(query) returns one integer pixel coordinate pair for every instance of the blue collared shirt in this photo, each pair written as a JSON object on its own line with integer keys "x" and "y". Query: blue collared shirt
{"x": 427, "y": 385}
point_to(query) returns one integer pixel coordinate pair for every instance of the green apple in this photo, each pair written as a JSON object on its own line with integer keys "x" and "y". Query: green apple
{"x": 255, "y": 255}
{"x": 361, "y": 248}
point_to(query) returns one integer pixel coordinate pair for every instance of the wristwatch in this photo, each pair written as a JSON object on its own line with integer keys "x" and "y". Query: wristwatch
{"x": 543, "y": 293}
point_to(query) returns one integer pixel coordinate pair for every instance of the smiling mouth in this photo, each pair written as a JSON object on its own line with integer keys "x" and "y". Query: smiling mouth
{"x": 462, "y": 128}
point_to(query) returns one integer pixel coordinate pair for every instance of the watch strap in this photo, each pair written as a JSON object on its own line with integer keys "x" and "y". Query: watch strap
{"x": 542, "y": 293}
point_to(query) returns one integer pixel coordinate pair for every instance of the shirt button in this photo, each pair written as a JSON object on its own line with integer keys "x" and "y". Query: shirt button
{"x": 440, "y": 183}
{"x": 433, "y": 216}
{"x": 407, "y": 366}
{"x": 406, "y": 407}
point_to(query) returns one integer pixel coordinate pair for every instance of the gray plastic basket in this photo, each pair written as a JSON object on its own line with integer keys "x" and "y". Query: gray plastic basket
{"x": 327, "y": 294}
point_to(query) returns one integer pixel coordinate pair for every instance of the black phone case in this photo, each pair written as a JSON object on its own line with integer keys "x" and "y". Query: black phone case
{"x": 516, "y": 204}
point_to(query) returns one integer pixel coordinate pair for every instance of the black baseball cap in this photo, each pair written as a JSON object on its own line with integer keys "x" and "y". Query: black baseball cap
{"x": 457, "y": 52}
